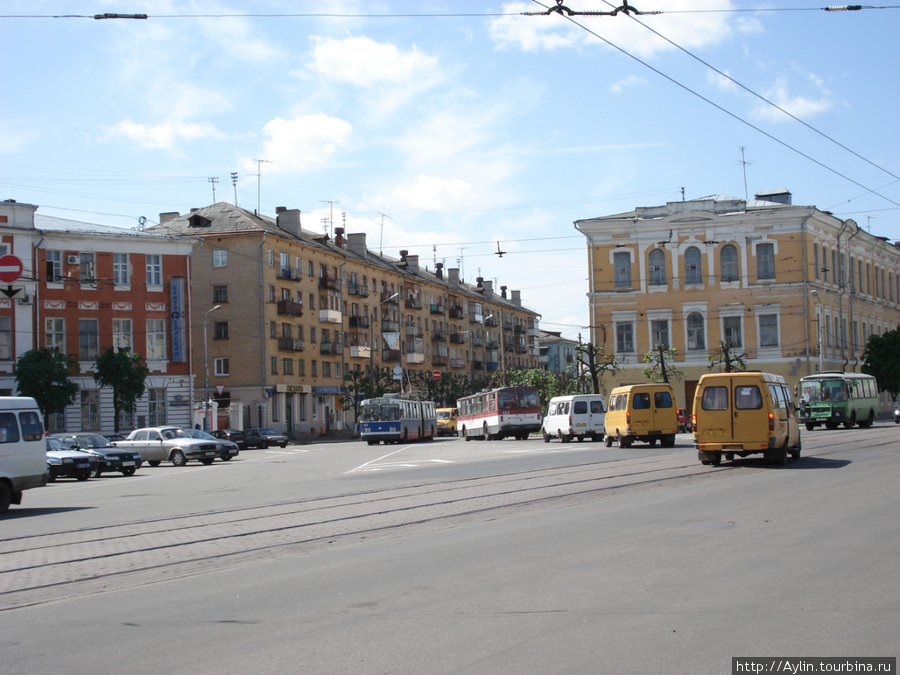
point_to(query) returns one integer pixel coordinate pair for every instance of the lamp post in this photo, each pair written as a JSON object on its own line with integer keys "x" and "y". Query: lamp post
{"x": 207, "y": 422}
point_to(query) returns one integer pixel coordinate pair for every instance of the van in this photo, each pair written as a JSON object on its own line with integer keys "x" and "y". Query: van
{"x": 642, "y": 412}
{"x": 446, "y": 422}
{"x": 742, "y": 414}
{"x": 23, "y": 450}
{"x": 577, "y": 416}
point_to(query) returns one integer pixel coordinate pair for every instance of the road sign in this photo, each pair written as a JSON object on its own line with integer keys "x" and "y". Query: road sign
{"x": 10, "y": 268}
{"x": 436, "y": 374}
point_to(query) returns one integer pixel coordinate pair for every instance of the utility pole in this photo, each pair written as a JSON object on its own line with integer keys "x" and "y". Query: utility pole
{"x": 259, "y": 163}
{"x": 213, "y": 180}
{"x": 234, "y": 178}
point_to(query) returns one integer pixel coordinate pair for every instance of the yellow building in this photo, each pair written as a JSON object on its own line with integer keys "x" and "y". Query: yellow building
{"x": 281, "y": 314}
{"x": 796, "y": 289}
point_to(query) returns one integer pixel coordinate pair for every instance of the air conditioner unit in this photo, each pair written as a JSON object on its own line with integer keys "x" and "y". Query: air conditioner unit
{"x": 25, "y": 300}
{"x": 74, "y": 259}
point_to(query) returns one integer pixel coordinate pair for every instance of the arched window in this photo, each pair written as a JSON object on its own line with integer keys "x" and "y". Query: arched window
{"x": 696, "y": 340}
{"x": 693, "y": 269}
{"x": 657, "y": 262}
{"x": 728, "y": 260}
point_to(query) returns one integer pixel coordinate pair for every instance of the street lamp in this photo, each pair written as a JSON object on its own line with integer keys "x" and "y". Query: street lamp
{"x": 207, "y": 422}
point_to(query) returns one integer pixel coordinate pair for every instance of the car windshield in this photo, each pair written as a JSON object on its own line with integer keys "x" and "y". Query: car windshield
{"x": 197, "y": 433}
{"x": 93, "y": 442}
{"x": 267, "y": 432}
{"x": 169, "y": 434}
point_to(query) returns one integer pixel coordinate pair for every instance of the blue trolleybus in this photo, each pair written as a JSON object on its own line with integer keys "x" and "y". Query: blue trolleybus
{"x": 396, "y": 420}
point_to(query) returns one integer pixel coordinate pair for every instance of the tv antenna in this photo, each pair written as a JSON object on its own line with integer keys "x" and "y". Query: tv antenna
{"x": 259, "y": 163}
{"x": 213, "y": 180}
{"x": 381, "y": 238}
{"x": 744, "y": 164}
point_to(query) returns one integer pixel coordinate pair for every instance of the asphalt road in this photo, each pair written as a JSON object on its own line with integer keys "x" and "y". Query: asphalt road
{"x": 453, "y": 557}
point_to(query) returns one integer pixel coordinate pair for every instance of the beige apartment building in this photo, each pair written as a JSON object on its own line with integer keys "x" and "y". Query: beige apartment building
{"x": 281, "y": 314}
{"x": 796, "y": 289}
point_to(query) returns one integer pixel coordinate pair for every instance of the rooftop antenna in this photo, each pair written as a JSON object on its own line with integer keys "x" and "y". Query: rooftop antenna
{"x": 869, "y": 223}
{"x": 330, "y": 215}
{"x": 213, "y": 181}
{"x": 259, "y": 163}
{"x": 234, "y": 183}
{"x": 381, "y": 239}
{"x": 682, "y": 193}
{"x": 744, "y": 164}
{"x": 460, "y": 261}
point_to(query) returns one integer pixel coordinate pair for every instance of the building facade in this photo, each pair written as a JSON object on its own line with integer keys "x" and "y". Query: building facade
{"x": 282, "y": 314}
{"x": 795, "y": 289}
{"x": 86, "y": 287}
{"x": 558, "y": 354}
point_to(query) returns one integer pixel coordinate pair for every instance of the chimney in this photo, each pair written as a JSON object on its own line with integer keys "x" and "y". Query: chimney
{"x": 403, "y": 255}
{"x": 516, "y": 297}
{"x": 339, "y": 237}
{"x": 503, "y": 292}
{"x": 778, "y": 196}
{"x": 439, "y": 270}
{"x": 168, "y": 216}
{"x": 453, "y": 275}
{"x": 280, "y": 209}
{"x": 412, "y": 263}
{"x": 488, "y": 288}
{"x": 289, "y": 221}
{"x": 478, "y": 281}
{"x": 357, "y": 244}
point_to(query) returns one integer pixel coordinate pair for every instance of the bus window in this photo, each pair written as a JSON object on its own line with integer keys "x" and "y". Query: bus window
{"x": 748, "y": 398}
{"x": 714, "y": 398}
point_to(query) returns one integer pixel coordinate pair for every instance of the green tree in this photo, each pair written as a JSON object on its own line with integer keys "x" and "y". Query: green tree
{"x": 125, "y": 373}
{"x": 882, "y": 359}
{"x": 44, "y": 374}
{"x": 659, "y": 364}
{"x": 726, "y": 360}
{"x": 596, "y": 363}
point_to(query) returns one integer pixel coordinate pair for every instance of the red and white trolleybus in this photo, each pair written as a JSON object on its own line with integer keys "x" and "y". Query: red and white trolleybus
{"x": 494, "y": 414}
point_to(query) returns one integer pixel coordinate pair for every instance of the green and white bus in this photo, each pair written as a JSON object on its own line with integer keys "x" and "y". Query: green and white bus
{"x": 835, "y": 398}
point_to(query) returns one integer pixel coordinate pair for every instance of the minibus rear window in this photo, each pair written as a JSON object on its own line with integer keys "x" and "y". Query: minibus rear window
{"x": 714, "y": 398}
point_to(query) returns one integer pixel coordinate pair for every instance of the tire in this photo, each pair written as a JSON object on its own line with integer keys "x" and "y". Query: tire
{"x": 870, "y": 420}
{"x": 545, "y": 435}
{"x": 466, "y": 435}
{"x": 562, "y": 437}
{"x": 831, "y": 426}
{"x": 795, "y": 452}
{"x": 226, "y": 458}
{"x": 668, "y": 441}
{"x": 177, "y": 458}
{"x": 580, "y": 439}
{"x": 651, "y": 442}
{"x": 128, "y": 472}
{"x": 153, "y": 462}
{"x": 608, "y": 440}
{"x": 372, "y": 442}
{"x": 83, "y": 476}
{"x": 207, "y": 461}
{"x": 778, "y": 456}
{"x": 5, "y": 497}
{"x": 624, "y": 442}
{"x": 51, "y": 478}
{"x": 810, "y": 426}
{"x": 264, "y": 445}
{"x": 716, "y": 458}
{"x": 98, "y": 472}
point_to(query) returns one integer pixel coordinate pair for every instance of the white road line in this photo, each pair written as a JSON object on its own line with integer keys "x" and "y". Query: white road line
{"x": 366, "y": 465}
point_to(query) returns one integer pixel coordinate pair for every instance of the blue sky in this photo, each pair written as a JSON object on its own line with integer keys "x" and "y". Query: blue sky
{"x": 445, "y": 127}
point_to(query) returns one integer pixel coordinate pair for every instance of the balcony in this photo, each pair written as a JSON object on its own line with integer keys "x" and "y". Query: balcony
{"x": 492, "y": 365}
{"x": 358, "y": 290}
{"x": 478, "y": 364}
{"x": 477, "y": 341}
{"x": 390, "y": 326}
{"x": 390, "y": 355}
{"x": 519, "y": 329}
{"x": 360, "y": 352}
{"x": 412, "y": 331}
{"x": 413, "y": 303}
{"x": 437, "y": 308}
{"x": 289, "y": 273}
{"x": 287, "y": 344}
{"x": 415, "y": 357}
{"x": 438, "y": 336}
{"x": 359, "y": 322}
{"x": 456, "y": 312}
{"x": 390, "y": 298}
{"x": 439, "y": 360}
{"x": 457, "y": 363}
{"x": 333, "y": 348}
{"x": 290, "y": 308}
{"x": 329, "y": 284}
{"x": 491, "y": 321}
{"x": 330, "y": 316}
{"x": 457, "y": 338}
{"x": 475, "y": 318}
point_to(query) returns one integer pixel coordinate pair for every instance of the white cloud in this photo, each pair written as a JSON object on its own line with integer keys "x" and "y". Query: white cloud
{"x": 365, "y": 63}
{"x": 721, "y": 82}
{"x": 305, "y": 142}
{"x": 164, "y": 136}
{"x": 798, "y": 105}
{"x": 628, "y": 83}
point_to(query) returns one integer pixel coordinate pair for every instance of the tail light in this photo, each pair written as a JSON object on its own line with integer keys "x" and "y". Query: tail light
{"x": 627, "y": 418}
{"x": 694, "y": 420}
{"x": 771, "y": 421}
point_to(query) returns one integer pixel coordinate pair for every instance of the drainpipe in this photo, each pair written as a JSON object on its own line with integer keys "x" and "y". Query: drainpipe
{"x": 262, "y": 328}
{"x": 850, "y": 320}
{"x": 190, "y": 310}
{"x": 805, "y": 288}
{"x": 840, "y": 277}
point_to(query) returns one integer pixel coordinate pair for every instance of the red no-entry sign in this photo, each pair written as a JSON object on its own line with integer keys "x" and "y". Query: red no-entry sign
{"x": 10, "y": 268}
{"x": 436, "y": 374}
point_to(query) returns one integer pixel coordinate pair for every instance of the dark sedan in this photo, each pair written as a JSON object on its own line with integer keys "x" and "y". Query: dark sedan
{"x": 65, "y": 463}
{"x": 264, "y": 437}
{"x": 227, "y": 449}
{"x": 110, "y": 459}
{"x": 234, "y": 435}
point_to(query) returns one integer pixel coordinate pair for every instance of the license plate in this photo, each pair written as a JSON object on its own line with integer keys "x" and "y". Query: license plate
{"x": 714, "y": 432}
{"x": 127, "y": 463}
{"x": 82, "y": 466}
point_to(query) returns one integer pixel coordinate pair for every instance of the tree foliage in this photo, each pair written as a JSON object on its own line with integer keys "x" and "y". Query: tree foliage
{"x": 882, "y": 359}
{"x": 44, "y": 374}
{"x": 725, "y": 360}
{"x": 124, "y": 372}
{"x": 595, "y": 364}
{"x": 659, "y": 365}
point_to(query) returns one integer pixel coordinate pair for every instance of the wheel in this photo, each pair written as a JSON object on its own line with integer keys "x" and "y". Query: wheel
{"x": 177, "y": 458}
{"x": 580, "y": 439}
{"x": 831, "y": 425}
{"x": 264, "y": 445}
{"x": 98, "y": 472}
{"x": 51, "y": 478}
{"x": 466, "y": 435}
{"x": 226, "y": 458}
{"x": 668, "y": 441}
{"x": 207, "y": 460}
{"x": 795, "y": 452}
{"x": 372, "y": 442}
{"x": 869, "y": 421}
{"x": 562, "y": 437}
{"x": 546, "y": 436}
{"x": 715, "y": 458}
{"x": 83, "y": 476}
{"x": 810, "y": 426}
{"x": 729, "y": 456}
{"x": 5, "y": 497}
{"x": 608, "y": 440}
{"x": 128, "y": 472}
{"x": 153, "y": 462}
{"x": 623, "y": 441}
{"x": 652, "y": 442}
{"x": 778, "y": 456}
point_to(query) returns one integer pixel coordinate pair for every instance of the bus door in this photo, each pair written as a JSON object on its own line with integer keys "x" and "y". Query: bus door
{"x": 750, "y": 416}
{"x": 715, "y": 423}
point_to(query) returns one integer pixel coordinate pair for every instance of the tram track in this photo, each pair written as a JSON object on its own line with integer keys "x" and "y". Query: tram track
{"x": 49, "y": 566}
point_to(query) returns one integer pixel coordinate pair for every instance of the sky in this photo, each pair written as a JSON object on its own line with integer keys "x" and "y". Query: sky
{"x": 453, "y": 129}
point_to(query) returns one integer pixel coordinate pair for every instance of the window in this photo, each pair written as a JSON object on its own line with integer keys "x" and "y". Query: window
{"x": 90, "y": 410}
{"x": 5, "y": 338}
{"x": 768, "y": 330}
{"x": 659, "y": 332}
{"x": 747, "y": 398}
{"x": 55, "y": 334}
{"x": 714, "y": 398}
{"x": 156, "y": 401}
{"x": 817, "y": 271}
{"x": 220, "y": 330}
{"x": 273, "y": 365}
{"x": 88, "y": 339}
{"x": 695, "y": 331}
{"x": 765, "y": 261}
{"x": 220, "y": 258}
{"x": 624, "y": 337}
{"x": 313, "y": 370}
{"x": 693, "y": 269}
{"x": 220, "y": 294}
{"x": 662, "y": 399}
{"x": 153, "y": 264}
{"x": 728, "y": 260}
{"x": 156, "y": 339}
{"x": 10, "y": 428}
{"x": 326, "y": 368}
{"x": 622, "y": 265}
{"x": 287, "y": 366}
{"x": 87, "y": 268}
{"x": 731, "y": 329}
{"x": 221, "y": 366}
{"x": 54, "y": 266}
{"x": 122, "y": 334}
{"x": 120, "y": 269}
{"x": 657, "y": 261}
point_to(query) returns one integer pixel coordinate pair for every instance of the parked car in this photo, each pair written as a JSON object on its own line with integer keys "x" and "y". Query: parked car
{"x": 684, "y": 421}
{"x": 264, "y": 437}
{"x": 233, "y": 435}
{"x": 110, "y": 459}
{"x": 63, "y": 462}
{"x": 227, "y": 449}
{"x": 169, "y": 444}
